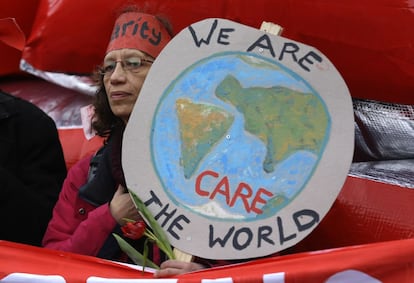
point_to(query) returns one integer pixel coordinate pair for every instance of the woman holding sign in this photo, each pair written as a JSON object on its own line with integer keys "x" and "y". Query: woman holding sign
{"x": 93, "y": 203}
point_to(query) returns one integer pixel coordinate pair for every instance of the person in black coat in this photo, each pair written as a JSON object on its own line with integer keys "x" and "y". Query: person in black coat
{"x": 32, "y": 170}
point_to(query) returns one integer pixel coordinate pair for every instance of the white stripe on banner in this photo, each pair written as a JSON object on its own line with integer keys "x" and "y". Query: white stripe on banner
{"x": 114, "y": 280}
{"x": 274, "y": 277}
{"x": 32, "y": 278}
{"x": 218, "y": 280}
{"x": 352, "y": 276}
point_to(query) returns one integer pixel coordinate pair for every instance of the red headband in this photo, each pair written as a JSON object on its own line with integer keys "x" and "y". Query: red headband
{"x": 139, "y": 31}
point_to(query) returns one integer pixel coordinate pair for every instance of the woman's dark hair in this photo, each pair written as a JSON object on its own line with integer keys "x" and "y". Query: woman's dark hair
{"x": 104, "y": 119}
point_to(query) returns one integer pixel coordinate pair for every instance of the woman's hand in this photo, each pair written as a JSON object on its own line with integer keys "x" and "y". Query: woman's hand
{"x": 122, "y": 206}
{"x": 174, "y": 267}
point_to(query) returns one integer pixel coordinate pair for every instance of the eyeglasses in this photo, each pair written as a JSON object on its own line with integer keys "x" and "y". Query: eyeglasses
{"x": 132, "y": 64}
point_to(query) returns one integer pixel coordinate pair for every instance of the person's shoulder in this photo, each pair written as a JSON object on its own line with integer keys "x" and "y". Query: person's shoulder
{"x": 8, "y": 98}
{"x": 16, "y": 106}
{"x": 78, "y": 173}
{"x": 28, "y": 107}
{"x": 82, "y": 164}
{"x": 4, "y": 96}
{"x": 6, "y": 104}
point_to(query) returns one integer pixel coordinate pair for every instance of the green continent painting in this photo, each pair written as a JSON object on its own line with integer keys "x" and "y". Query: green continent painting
{"x": 242, "y": 129}
{"x": 285, "y": 120}
{"x": 201, "y": 127}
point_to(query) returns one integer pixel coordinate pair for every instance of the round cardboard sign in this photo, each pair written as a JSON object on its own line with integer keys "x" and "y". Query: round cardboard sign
{"x": 240, "y": 140}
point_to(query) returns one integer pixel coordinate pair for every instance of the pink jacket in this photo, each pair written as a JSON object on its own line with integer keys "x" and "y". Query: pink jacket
{"x": 82, "y": 228}
{"x": 76, "y": 225}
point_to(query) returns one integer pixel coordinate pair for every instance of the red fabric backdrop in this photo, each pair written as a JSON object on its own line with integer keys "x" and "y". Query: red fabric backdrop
{"x": 370, "y": 42}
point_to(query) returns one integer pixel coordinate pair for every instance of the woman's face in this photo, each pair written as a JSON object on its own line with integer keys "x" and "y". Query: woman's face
{"x": 125, "y": 72}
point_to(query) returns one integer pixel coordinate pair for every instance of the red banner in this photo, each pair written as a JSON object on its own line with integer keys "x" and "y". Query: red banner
{"x": 386, "y": 262}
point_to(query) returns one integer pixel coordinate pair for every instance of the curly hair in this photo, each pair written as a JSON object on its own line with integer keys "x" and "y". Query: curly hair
{"x": 104, "y": 119}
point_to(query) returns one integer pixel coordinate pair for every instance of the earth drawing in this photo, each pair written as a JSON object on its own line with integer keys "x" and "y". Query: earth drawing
{"x": 235, "y": 129}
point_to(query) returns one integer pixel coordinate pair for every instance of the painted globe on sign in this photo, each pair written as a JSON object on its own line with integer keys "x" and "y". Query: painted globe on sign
{"x": 236, "y": 137}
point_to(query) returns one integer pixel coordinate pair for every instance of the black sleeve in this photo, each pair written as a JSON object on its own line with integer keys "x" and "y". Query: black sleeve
{"x": 32, "y": 169}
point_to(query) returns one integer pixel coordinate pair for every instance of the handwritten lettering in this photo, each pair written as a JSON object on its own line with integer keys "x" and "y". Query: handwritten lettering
{"x": 302, "y": 216}
{"x": 308, "y": 59}
{"x": 172, "y": 223}
{"x": 243, "y": 192}
{"x": 220, "y": 39}
{"x": 288, "y": 48}
{"x": 137, "y": 28}
{"x": 288, "y": 51}
{"x": 242, "y": 238}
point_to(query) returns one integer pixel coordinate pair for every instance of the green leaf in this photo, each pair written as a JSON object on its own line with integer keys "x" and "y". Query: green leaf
{"x": 145, "y": 250}
{"x": 161, "y": 238}
{"x": 133, "y": 254}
